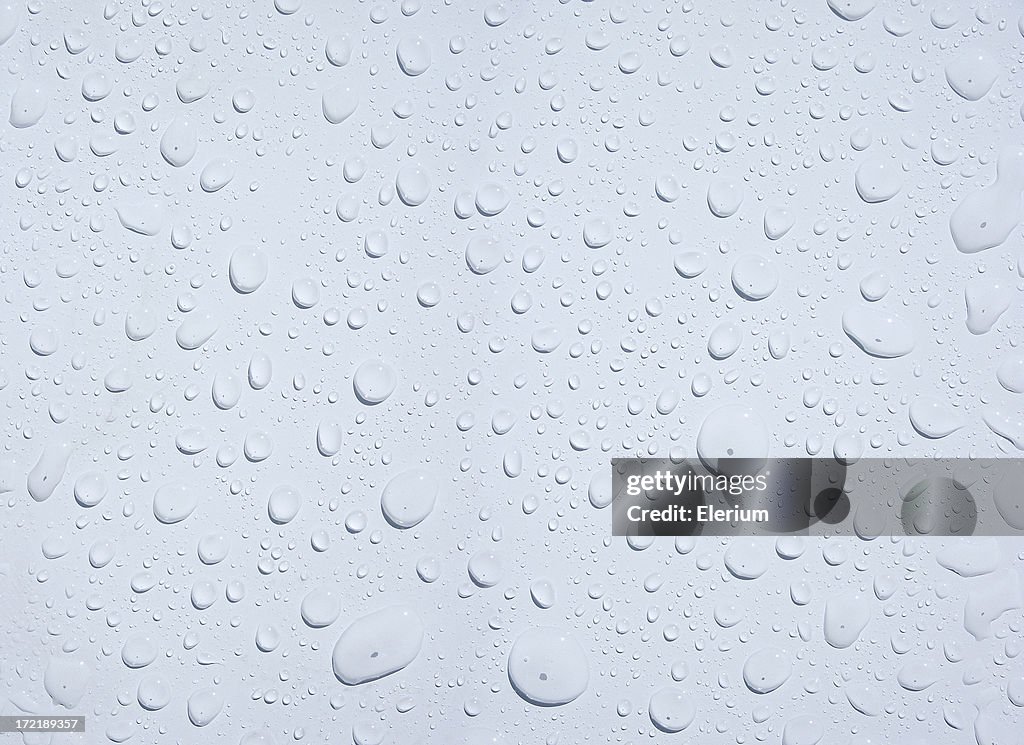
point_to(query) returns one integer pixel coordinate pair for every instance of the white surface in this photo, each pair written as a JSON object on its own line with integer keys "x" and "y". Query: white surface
{"x": 319, "y": 245}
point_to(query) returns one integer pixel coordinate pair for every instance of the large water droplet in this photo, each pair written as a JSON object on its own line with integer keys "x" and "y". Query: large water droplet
{"x": 754, "y": 277}
{"x": 933, "y": 418}
{"x": 851, "y": 10}
{"x": 174, "y": 502}
{"x": 766, "y": 670}
{"x": 878, "y": 179}
{"x": 547, "y": 667}
{"x": 413, "y": 185}
{"x": 320, "y": 608}
{"x": 413, "y": 54}
{"x": 483, "y": 254}
{"x": 671, "y": 709}
{"x": 732, "y": 431}
{"x": 28, "y": 104}
{"x": 374, "y": 381}
{"x": 48, "y": 470}
{"x": 1011, "y": 373}
{"x": 204, "y": 705}
{"x": 724, "y": 197}
{"x": 878, "y": 333}
{"x": 284, "y": 504}
{"x": 804, "y": 729}
{"x": 846, "y": 616}
{"x": 986, "y": 302}
{"x": 747, "y": 558}
{"x": 972, "y": 74}
{"x": 409, "y": 498}
{"x": 339, "y": 103}
{"x": 378, "y": 644}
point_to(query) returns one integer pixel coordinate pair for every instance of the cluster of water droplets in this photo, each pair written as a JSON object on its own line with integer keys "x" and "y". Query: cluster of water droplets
{"x": 323, "y": 323}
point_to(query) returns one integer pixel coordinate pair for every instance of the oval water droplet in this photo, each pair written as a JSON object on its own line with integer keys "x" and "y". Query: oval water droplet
{"x": 28, "y": 105}
{"x": 374, "y": 382}
{"x": 846, "y": 616}
{"x": 878, "y": 333}
{"x": 283, "y": 504}
{"x": 378, "y": 644}
{"x": 483, "y": 254}
{"x": 174, "y": 502}
{"x": 413, "y": 185}
{"x": 409, "y": 498}
{"x": 933, "y": 418}
{"x": 766, "y": 670}
{"x": 247, "y": 269}
{"x": 671, "y": 709}
{"x": 339, "y": 103}
{"x": 548, "y": 667}
{"x": 414, "y": 56}
{"x": 320, "y": 608}
{"x": 754, "y": 277}
{"x": 204, "y": 705}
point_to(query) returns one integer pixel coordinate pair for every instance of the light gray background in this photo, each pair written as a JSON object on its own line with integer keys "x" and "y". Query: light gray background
{"x": 613, "y": 124}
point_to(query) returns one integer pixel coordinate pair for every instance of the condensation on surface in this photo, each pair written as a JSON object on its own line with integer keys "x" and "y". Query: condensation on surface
{"x": 322, "y": 323}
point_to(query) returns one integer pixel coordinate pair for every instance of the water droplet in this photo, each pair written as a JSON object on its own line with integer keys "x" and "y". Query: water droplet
{"x": 377, "y": 644}
{"x": 548, "y": 667}
{"x": 754, "y": 277}
{"x": 409, "y": 498}
{"x": 413, "y": 55}
{"x": 338, "y": 50}
{"x": 690, "y": 264}
{"x": 746, "y": 559}
{"x": 268, "y": 638}
{"x": 412, "y": 185}
{"x": 328, "y": 439}
{"x": 1011, "y": 373}
{"x": 260, "y": 371}
{"x": 777, "y": 222}
{"x": 846, "y": 615}
{"x": 986, "y": 302}
{"x": 851, "y": 10}
{"x": 284, "y": 504}
{"x": 48, "y": 471}
{"x": 485, "y": 568}
{"x": 139, "y": 650}
{"x": 878, "y": 179}
{"x": 153, "y": 693}
{"x": 806, "y": 729}
{"x": 66, "y": 680}
{"x": 483, "y": 254}
{"x": 766, "y": 670}
{"x": 339, "y": 103}
{"x": 732, "y": 431}
{"x": 491, "y": 199}
{"x": 204, "y": 705}
{"x": 878, "y": 333}
{"x": 374, "y": 382}
{"x": 985, "y": 218}
{"x": 933, "y": 418}
{"x": 671, "y": 709}
{"x": 28, "y": 104}
{"x": 320, "y": 608}
{"x": 724, "y": 198}
{"x": 972, "y": 74}
{"x": 174, "y": 502}
{"x": 597, "y": 232}
{"x": 546, "y": 339}
{"x": 724, "y": 340}
{"x": 216, "y": 175}
{"x": 543, "y": 593}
